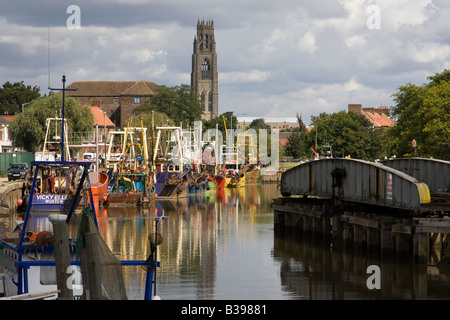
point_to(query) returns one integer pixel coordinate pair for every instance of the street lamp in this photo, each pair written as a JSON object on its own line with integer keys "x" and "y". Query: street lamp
{"x": 24, "y": 104}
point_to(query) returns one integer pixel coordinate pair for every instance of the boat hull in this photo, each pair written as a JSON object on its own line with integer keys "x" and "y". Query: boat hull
{"x": 124, "y": 199}
{"x": 220, "y": 183}
{"x": 49, "y": 202}
{"x": 99, "y": 188}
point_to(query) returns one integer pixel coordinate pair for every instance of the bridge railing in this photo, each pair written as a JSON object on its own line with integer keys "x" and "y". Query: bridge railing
{"x": 356, "y": 181}
{"x": 435, "y": 173}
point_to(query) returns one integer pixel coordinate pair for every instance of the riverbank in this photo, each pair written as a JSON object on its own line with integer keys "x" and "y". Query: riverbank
{"x": 5, "y": 187}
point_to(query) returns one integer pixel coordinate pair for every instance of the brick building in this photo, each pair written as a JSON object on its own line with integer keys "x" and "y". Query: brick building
{"x": 117, "y": 98}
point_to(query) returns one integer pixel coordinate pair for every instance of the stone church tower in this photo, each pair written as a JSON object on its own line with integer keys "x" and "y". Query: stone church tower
{"x": 204, "y": 76}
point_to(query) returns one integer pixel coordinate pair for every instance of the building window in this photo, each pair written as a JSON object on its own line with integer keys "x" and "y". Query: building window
{"x": 203, "y": 101}
{"x": 206, "y": 69}
{"x": 210, "y": 100}
{"x": 137, "y": 100}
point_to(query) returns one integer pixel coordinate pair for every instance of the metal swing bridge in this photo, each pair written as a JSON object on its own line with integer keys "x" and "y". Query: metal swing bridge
{"x": 412, "y": 185}
{"x": 399, "y": 205}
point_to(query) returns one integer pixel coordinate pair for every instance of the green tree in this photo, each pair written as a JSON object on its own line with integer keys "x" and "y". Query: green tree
{"x": 14, "y": 95}
{"x": 298, "y": 142}
{"x": 259, "y": 124}
{"x": 348, "y": 133}
{"x": 179, "y": 103}
{"x": 423, "y": 114}
{"x": 226, "y": 118}
{"x": 28, "y": 129}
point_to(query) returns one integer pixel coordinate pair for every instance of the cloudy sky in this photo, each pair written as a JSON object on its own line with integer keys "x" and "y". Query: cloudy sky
{"x": 275, "y": 58}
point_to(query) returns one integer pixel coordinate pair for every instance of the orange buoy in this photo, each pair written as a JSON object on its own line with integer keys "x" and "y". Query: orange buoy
{"x": 19, "y": 202}
{"x": 44, "y": 238}
{"x": 105, "y": 198}
{"x": 156, "y": 195}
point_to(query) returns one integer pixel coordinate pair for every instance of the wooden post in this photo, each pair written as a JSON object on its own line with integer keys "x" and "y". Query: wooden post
{"x": 92, "y": 281}
{"x": 358, "y": 230}
{"x": 62, "y": 254}
{"x": 421, "y": 247}
{"x": 386, "y": 236}
{"x": 403, "y": 238}
{"x": 347, "y": 230}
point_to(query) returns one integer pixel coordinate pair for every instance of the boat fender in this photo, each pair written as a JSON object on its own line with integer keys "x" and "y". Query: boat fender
{"x": 44, "y": 238}
{"x": 32, "y": 237}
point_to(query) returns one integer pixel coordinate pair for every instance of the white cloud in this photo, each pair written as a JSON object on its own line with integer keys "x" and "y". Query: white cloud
{"x": 307, "y": 43}
{"x": 243, "y": 77}
{"x": 275, "y": 58}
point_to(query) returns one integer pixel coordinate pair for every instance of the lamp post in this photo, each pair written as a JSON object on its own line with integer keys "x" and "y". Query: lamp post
{"x": 24, "y": 104}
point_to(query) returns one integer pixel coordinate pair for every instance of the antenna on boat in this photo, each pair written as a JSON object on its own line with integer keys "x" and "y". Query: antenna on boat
{"x": 48, "y": 56}
{"x": 62, "y": 112}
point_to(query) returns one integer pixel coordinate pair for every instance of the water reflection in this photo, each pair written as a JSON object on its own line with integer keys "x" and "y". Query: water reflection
{"x": 223, "y": 245}
{"x": 203, "y": 237}
{"x": 311, "y": 270}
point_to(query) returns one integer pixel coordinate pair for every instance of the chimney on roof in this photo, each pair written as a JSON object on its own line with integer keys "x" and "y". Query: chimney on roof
{"x": 355, "y": 108}
{"x": 370, "y": 110}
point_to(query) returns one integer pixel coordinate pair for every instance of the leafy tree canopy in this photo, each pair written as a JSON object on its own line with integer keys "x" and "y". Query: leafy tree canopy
{"x": 13, "y": 95}
{"x": 423, "y": 114}
{"x": 259, "y": 124}
{"x": 179, "y": 103}
{"x": 348, "y": 133}
{"x": 28, "y": 129}
{"x": 225, "y": 119}
{"x": 298, "y": 145}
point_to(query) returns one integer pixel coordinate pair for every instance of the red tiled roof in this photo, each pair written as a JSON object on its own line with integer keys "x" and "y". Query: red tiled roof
{"x": 99, "y": 117}
{"x": 7, "y": 117}
{"x": 378, "y": 119}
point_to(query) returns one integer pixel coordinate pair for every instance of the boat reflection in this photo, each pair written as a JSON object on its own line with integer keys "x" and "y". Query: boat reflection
{"x": 222, "y": 245}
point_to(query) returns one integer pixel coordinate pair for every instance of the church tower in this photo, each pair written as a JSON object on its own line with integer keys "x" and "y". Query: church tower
{"x": 204, "y": 76}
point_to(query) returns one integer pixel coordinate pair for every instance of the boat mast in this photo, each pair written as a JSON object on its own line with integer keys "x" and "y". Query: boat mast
{"x": 62, "y": 112}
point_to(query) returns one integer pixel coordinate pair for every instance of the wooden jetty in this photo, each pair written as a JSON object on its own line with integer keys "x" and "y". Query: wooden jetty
{"x": 402, "y": 211}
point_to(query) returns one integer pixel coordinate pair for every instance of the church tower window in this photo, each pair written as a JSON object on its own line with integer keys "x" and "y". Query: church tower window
{"x": 204, "y": 76}
{"x": 203, "y": 101}
{"x": 206, "y": 69}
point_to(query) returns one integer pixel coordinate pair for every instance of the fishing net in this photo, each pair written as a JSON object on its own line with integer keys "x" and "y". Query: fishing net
{"x": 112, "y": 282}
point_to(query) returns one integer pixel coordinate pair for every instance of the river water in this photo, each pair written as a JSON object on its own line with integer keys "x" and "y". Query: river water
{"x": 223, "y": 246}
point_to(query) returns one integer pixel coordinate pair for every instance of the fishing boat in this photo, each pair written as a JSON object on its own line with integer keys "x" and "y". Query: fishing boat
{"x": 171, "y": 166}
{"x": 55, "y": 187}
{"x": 172, "y": 183}
{"x": 29, "y": 261}
{"x": 99, "y": 186}
{"x": 130, "y": 179}
{"x": 198, "y": 182}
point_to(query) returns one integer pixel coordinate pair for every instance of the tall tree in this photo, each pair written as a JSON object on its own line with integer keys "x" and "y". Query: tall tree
{"x": 298, "y": 143}
{"x": 180, "y": 103}
{"x": 28, "y": 129}
{"x": 14, "y": 95}
{"x": 348, "y": 133}
{"x": 422, "y": 114}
